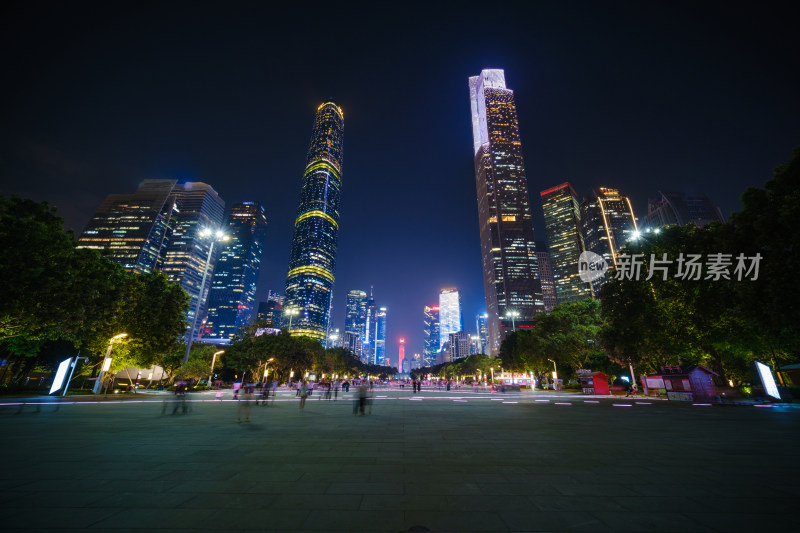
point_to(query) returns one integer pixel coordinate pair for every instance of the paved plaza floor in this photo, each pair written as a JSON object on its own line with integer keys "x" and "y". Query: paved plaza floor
{"x": 436, "y": 461}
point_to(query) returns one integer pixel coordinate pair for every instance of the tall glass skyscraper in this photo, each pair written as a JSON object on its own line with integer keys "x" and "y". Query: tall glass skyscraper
{"x": 380, "y": 337}
{"x": 158, "y": 227}
{"x": 607, "y": 222}
{"x": 370, "y": 329}
{"x": 232, "y": 298}
{"x": 430, "y": 335}
{"x": 562, "y": 219}
{"x": 309, "y": 282}
{"x": 355, "y": 318}
{"x": 134, "y": 230}
{"x": 482, "y": 330}
{"x": 510, "y": 268}
{"x": 450, "y": 320}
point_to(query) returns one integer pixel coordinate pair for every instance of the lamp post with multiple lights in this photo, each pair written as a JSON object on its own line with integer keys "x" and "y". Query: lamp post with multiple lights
{"x": 217, "y": 235}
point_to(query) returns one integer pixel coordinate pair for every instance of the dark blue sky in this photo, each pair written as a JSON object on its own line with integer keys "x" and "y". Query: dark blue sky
{"x": 636, "y": 95}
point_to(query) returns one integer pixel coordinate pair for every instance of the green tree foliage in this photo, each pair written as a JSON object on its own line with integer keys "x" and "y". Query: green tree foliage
{"x": 249, "y": 351}
{"x": 53, "y": 292}
{"x": 569, "y": 336}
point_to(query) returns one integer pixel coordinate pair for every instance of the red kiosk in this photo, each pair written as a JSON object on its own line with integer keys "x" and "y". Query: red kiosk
{"x": 594, "y": 382}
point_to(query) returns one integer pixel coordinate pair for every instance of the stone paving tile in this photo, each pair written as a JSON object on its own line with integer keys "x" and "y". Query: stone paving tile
{"x": 552, "y": 521}
{"x": 337, "y": 520}
{"x": 650, "y": 521}
{"x": 449, "y": 521}
{"x": 203, "y": 472}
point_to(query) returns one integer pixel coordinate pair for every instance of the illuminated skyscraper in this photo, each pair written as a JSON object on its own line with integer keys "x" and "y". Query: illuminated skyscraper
{"x": 430, "y": 335}
{"x": 370, "y": 329}
{"x": 483, "y": 333}
{"x": 200, "y": 207}
{"x": 401, "y": 355}
{"x": 158, "y": 228}
{"x": 546, "y": 277}
{"x": 233, "y": 288}
{"x": 355, "y": 320}
{"x": 380, "y": 337}
{"x": 309, "y": 282}
{"x": 607, "y": 222}
{"x": 510, "y": 269}
{"x": 134, "y": 230}
{"x": 449, "y": 315}
{"x": 562, "y": 219}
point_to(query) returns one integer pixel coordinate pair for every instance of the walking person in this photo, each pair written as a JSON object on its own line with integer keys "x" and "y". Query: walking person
{"x": 274, "y": 389}
{"x": 244, "y": 405}
{"x": 303, "y": 390}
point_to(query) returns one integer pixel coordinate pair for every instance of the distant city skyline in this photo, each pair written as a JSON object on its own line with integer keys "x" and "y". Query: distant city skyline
{"x": 639, "y": 97}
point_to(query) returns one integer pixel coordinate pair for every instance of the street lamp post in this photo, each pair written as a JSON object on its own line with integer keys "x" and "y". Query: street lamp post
{"x": 555, "y": 373}
{"x": 266, "y": 368}
{"x": 513, "y": 315}
{"x": 292, "y": 313}
{"x": 106, "y": 363}
{"x": 214, "y": 360}
{"x": 219, "y": 235}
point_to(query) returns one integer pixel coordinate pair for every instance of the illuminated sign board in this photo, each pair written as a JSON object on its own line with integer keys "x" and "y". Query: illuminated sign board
{"x": 61, "y": 373}
{"x": 767, "y": 380}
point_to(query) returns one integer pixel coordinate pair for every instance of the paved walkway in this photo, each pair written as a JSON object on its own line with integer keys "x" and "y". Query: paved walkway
{"x": 438, "y": 461}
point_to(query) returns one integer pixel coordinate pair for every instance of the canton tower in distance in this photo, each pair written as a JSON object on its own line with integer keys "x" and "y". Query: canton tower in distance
{"x": 309, "y": 283}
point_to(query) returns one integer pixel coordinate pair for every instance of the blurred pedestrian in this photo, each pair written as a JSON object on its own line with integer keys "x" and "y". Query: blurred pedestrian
{"x": 303, "y": 394}
{"x": 245, "y": 405}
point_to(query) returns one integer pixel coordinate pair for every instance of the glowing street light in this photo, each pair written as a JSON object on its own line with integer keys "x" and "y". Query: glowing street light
{"x": 214, "y": 360}
{"x": 216, "y": 235}
{"x": 106, "y": 363}
{"x": 513, "y": 315}
{"x": 292, "y": 313}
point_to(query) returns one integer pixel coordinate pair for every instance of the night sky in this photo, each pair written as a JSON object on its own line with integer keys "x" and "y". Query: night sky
{"x": 642, "y": 96}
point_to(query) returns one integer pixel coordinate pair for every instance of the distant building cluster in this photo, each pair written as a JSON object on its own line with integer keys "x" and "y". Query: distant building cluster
{"x": 521, "y": 279}
{"x": 180, "y": 228}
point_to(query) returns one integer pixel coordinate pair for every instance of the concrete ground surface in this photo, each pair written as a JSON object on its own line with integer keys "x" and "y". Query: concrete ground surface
{"x": 435, "y": 461}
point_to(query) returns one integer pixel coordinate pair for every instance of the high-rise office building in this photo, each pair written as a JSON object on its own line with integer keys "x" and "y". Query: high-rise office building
{"x": 370, "y": 328}
{"x": 309, "y": 282}
{"x": 380, "y": 337}
{"x": 482, "y": 329}
{"x": 159, "y": 228}
{"x": 449, "y": 315}
{"x": 134, "y": 230}
{"x": 607, "y": 222}
{"x": 232, "y": 297}
{"x": 458, "y": 345}
{"x": 200, "y": 208}
{"x": 401, "y": 355}
{"x": 510, "y": 269}
{"x": 271, "y": 311}
{"x": 546, "y": 276}
{"x": 562, "y": 220}
{"x": 681, "y": 208}
{"x": 355, "y": 320}
{"x": 430, "y": 335}
{"x": 352, "y": 343}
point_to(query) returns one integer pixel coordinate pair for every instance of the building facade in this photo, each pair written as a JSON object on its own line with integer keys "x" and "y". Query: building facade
{"x": 430, "y": 335}
{"x": 482, "y": 329}
{"x": 232, "y": 298}
{"x": 134, "y": 230}
{"x": 508, "y": 249}
{"x": 380, "y": 337}
{"x": 458, "y": 346}
{"x": 681, "y": 208}
{"x": 562, "y": 220}
{"x": 546, "y": 275}
{"x": 355, "y": 320}
{"x": 449, "y": 315}
{"x": 607, "y": 223}
{"x": 312, "y": 263}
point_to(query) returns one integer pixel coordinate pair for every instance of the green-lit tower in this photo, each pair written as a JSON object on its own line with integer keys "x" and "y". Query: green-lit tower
{"x": 309, "y": 283}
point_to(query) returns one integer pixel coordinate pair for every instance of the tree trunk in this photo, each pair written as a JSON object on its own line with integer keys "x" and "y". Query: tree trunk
{"x": 720, "y": 380}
